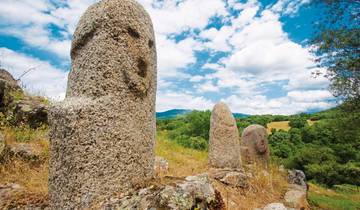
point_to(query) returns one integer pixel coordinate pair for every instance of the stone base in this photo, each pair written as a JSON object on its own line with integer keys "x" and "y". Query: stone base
{"x": 98, "y": 148}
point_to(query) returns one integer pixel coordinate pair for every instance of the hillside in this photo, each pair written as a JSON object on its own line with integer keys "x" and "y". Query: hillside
{"x": 304, "y": 141}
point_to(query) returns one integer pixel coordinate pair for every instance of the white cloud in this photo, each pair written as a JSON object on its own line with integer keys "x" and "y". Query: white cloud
{"x": 289, "y": 7}
{"x": 173, "y": 56}
{"x": 294, "y": 102}
{"x": 262, "y": 52}
{"x": 310, "y": 96}
{"x": 174, "y": 16}
{"x": 30, "y": 21}
{"x": 207, "y": 87}
{"x": 197, "y": 78}
{"x": 44, "y": 79}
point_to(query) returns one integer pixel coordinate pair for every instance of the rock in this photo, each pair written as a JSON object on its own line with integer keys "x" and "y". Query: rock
{"x": 254, "y": 145}
{"x": 297, "y": 177}
{"x": 8, "y": 85}
{"x": 103, "y": 134}
{"x": 32, "y": 111}
{"x": 175, "y": 198}
{"x": 275, "y": 206}
{"x": 8, "y": 80}
{"x": 199, "y": 187}
{"x": 235, "y": 179}
{"x": 296, "y": 197}
{"x": 196, "y": 192}
{"x": 224, "y": 148}
{"x": 19, "y": 108}
{"x": 24, "y": 151}
{"x": 161, "y": 166}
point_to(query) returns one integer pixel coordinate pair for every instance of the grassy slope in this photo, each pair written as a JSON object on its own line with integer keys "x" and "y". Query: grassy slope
{"x": 182, "y": 161}
{"x": 323, "y": 198}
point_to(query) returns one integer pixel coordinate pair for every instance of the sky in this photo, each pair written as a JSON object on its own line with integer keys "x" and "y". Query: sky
{"x": 253, "y": 55}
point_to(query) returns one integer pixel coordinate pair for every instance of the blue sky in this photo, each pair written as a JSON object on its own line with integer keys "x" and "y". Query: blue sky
{"x": 253, "y": 55}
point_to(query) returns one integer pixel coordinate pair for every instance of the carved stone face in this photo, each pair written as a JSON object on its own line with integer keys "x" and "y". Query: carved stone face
{"x": 113, "y": 50}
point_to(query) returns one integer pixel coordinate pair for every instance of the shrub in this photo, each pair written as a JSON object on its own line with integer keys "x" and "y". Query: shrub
{"x": 298, "y": 122}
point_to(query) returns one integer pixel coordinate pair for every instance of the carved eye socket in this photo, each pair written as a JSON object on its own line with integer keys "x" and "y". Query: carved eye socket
{"x": 142, "y": 67}
{"x": 151, "y": 43}
{"x": 133, "y": 33}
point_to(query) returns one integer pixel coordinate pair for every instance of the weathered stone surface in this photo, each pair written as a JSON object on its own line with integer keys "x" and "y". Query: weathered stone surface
{"x": 102, "y": 135}
{"x": 7, "y": 85}
{"x": 235, "y": 179}
{"x": 7, "y": 79}
{"x": 224, "y": 145}
{"x": 31, "y": 111}
{"x": 296, "y": 197}
{"x": 228, "y": 176}
{"x": 275, "y": 206}
{"x": 19, "y": 108}
{"x": 23, "y": 151}
{"x": 297, "y": 177}
{"x": 161, "y": 166}
{"x": 196, "y": 192}
{"x": 254, "y": 145}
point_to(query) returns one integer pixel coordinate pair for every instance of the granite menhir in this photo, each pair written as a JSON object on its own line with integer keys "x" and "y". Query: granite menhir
{"x": 224, "y": 144}
{"x": 103, "y": 133}
{"x": 255, "y": 146}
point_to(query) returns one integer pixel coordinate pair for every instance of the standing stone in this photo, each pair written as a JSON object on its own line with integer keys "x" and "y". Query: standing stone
{"x": 103, "y": 133}
{"x": 254, "y": 146}
{"x": 224, "y": 147}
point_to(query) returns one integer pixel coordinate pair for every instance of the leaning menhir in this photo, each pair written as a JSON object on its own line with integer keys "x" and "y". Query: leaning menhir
{"x": 224, "y": 146}
{"x": 254, "y": 145}
{"x": 102, "y": 138}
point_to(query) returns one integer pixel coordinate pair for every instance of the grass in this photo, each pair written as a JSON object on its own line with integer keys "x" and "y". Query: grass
{"x": 324, "y": 198}
{"x": 24, "y": 134}
{"x": 264, "y": 188}
{"x": 31, "y": 176}
{"x": 182, "y": 161}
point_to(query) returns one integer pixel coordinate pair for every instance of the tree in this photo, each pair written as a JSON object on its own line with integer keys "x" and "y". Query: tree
{"x": 298, "y": 122}
{"x": 338, "y": 47}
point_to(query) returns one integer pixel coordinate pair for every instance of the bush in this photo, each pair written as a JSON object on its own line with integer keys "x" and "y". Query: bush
{"x": 332, "y": 173}
{"x": 298, "y": 122}
{"x": 311, "y": 154}
{"x": 191, "y": 130}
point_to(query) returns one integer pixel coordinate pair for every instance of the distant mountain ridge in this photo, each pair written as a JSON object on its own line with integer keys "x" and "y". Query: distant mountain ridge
{"x": 172, "y": 113}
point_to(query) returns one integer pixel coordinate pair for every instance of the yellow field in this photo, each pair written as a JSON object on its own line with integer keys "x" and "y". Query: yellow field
{"x": 283, "y": 125}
